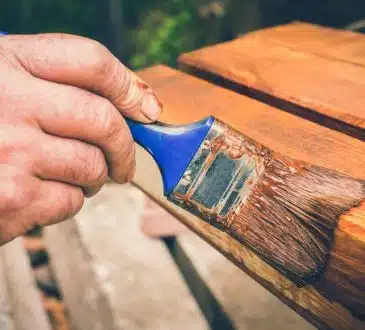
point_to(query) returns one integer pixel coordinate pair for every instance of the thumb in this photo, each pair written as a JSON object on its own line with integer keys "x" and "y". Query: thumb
{"x": 84, "y": 63}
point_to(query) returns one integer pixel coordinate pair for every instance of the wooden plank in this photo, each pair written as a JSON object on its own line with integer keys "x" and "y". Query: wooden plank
{"x": 249, "y": 305}
{"x": 188, "y": 99}
{"x": 6, "y": 319}
{"x": 229, "y": 298}
{"x": 324, "y": 41}
{"x": 26, "y": 308}
{"x": 114, "y": 277}
{"x": 326, "y": 91}
{"x": 157, "y": 222}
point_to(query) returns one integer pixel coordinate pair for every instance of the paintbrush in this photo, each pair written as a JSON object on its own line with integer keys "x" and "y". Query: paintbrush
{"x": 285, "y": 210}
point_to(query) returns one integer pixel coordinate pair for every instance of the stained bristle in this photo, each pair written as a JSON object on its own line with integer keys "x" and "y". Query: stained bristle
{"x": 290, "y": 217}
{"x": 283, "y": 209}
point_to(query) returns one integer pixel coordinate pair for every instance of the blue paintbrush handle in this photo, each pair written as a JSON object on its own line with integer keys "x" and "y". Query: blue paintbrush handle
{"x": 172, "y": 147}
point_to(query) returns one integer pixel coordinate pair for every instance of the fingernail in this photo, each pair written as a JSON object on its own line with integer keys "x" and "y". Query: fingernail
{"x": 151, "y": 106}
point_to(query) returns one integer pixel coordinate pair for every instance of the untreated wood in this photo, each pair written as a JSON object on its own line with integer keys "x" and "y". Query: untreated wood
{"x": 249, "y": 305}
{"x": 324, "y": 90}
{"x": 24, "y": 305}
{"x": 157, "y": 222}
{"x": 111, "y": 275}
{"x": 337, "y": 299}
{"x": 6, "y": 319}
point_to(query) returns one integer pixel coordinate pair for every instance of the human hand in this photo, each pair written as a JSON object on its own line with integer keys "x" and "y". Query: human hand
{"x": 62, "y": 132}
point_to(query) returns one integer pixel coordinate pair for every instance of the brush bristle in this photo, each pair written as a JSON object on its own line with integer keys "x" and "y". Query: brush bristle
{"x": 291, "y": 214}
{"x": 283, "y": 209}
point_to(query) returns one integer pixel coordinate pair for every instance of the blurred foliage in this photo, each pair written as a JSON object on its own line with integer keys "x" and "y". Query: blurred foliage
{"x": 173, "y": 27}
{"x": 169, "y": 39}
{"x": 157, "y": 31}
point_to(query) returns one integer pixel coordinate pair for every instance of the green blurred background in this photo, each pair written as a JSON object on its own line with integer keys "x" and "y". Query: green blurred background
{"x": 146, "y": 32}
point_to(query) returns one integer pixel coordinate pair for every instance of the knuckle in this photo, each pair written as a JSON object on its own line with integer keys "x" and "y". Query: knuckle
{"x": 75, "y": 167}
{"x": 16, "y": 192}
{"x": 99, "y": 58}
{"x": 74, "y": 203}
{"x": 74, "y": 170}
{"x": 7, "y": 54}
{"x": 10, "y": 199}
{"x": 15, "y": 140}
{"x": 71, "y": 203}
{"x": 125, "y": 144}
{"x": 126, "y": 166}
{"x": 121, "y": 84}
{"x": 8, "y": 231}
{"x": 86, "y": 165}
{"x": 98, "y": 169}
{"x": 108, "y": 121}
{"x": 130, "y": 155}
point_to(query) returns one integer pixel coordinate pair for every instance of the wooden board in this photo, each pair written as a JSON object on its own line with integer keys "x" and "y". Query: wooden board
{"x": 328, "y": 303}
{"x": 114, "y": 277}
{"x": 327, "y": 42}
{"x": 327, "y": 91}
{"x": 6, "y": 319}
{"x": 21, "y": 304}
{"x": 228, "y": 298}
{"x": 248, "y": 305}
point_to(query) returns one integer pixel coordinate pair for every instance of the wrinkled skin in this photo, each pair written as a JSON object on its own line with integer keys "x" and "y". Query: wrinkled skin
{"x": 62, "y": 132}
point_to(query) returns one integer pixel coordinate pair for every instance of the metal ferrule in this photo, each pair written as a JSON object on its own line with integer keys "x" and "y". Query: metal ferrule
{"x": 219, "y": 178}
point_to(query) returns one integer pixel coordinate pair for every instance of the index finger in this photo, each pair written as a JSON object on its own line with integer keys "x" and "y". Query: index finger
{"x": 85, "y": 63}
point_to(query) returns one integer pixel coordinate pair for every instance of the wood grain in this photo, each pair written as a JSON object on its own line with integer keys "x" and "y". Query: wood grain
{"x": 330, "y": 303}
{"x": 327, "y": 91}
{"x": 257, "y": 309}
{"x": 326, "y": 42}
{"x": 121, "y": 279}
{"x": 206, "y": 272}
{"x": 25, "y": 304}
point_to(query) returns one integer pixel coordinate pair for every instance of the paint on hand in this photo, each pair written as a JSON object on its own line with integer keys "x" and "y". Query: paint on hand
{"x": 139, "y": 97}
